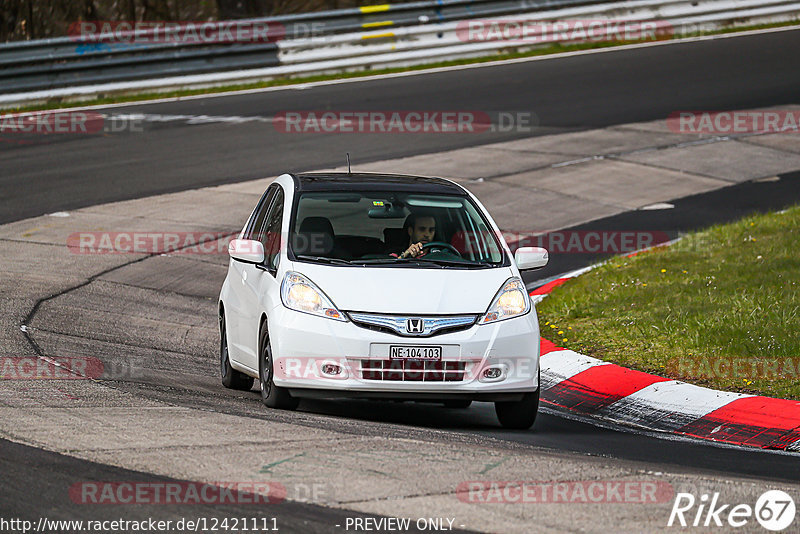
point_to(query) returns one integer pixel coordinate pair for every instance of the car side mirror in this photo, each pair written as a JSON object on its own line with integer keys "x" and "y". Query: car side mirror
{"x": 246, "y": 250}
{"x": 531, "y": 258}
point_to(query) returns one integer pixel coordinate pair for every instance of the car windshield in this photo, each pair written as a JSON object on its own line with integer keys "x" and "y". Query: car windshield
{"x": 377, "y": 228}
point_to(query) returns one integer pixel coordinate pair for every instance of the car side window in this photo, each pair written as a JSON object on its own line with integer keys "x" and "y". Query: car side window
{"x": 260, "y": 213}
{"x": 271, "y": 232}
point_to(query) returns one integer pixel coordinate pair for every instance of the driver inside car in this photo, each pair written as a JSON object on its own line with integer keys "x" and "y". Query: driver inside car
{"x": 421, "y": 228}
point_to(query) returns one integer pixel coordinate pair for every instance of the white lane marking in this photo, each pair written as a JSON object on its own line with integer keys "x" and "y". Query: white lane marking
{"x": 571, "y": 274}
{"x": 578, "y": 272}
{"x": 668, "y": 405}
{"x": 191, "y": 119}
{"x": 157, "y": 117}
{"x": 561, "y": 365}
{"x": 658, "y": 206}
{"x": 574, "y": 161}
{"x": 311, "y": 85}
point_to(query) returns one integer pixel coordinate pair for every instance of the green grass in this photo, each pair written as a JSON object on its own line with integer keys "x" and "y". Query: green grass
{"x": 116, "y": 98}
{"x": 728, "y": 294}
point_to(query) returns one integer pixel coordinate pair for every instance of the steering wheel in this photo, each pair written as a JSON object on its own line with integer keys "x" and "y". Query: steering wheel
{"x": 441, "y": 244}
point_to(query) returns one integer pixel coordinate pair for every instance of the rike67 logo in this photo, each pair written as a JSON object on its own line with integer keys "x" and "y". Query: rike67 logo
{"x": 774, "y": 510}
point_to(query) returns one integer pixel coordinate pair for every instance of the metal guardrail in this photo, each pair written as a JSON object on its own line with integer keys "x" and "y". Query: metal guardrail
{"x": 65, "y": 61}
{"x": 444, "y": 41}
{"x": 349, "y": 39}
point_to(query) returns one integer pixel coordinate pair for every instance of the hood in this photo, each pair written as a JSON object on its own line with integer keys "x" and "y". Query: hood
{"x": 407, "y": 290}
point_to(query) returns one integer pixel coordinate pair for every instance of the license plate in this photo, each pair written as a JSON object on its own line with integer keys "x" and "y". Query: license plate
{"x": 416, "y": 352}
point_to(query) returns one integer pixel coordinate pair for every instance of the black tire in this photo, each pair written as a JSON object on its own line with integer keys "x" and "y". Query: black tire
{"x": 231, "y": 378}
{"x": 458, "y": 404}
{"x": 271, "y": 395}
{"x": 518, "y": 415}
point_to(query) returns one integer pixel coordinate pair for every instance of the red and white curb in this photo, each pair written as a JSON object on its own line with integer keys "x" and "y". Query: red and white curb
{"x": 595, "y": 388}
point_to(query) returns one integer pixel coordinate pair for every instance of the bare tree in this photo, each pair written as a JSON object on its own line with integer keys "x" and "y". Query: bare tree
{"x": 34, "y": 19}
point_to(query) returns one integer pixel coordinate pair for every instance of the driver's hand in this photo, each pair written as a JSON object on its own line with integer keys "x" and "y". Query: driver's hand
{"x": 412, "y": 251}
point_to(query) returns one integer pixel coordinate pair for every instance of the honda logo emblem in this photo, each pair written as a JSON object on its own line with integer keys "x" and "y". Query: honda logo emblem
{"x": 415, "y": 326}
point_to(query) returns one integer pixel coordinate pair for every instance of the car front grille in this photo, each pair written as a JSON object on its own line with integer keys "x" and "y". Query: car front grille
{"x": 412, "y": 370}
{"x": 398, "y": 324}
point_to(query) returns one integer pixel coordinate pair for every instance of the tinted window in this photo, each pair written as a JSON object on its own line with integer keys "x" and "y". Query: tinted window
{"x": 271, "y": 233}
{"x": 260, "y": 213}
{"x": 356, "y": 226}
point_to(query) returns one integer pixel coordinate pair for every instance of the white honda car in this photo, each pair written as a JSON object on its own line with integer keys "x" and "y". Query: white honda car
{"x": 379, "y": 286}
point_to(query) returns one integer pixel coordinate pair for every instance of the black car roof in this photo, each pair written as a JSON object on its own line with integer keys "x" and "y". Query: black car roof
{"x": 361, "y": 181}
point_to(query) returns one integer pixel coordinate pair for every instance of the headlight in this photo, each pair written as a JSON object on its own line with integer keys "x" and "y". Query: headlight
{"x": 510, "y": 301}
{"x": 300, "y": 294}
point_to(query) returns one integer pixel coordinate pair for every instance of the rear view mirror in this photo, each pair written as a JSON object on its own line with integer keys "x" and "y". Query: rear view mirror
{"x": 387, "y": 211}
{"x": 531, "y": 258}
{"x": 246, "y": 250}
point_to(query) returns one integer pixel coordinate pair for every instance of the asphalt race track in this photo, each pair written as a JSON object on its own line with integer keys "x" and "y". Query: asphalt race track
{"x": 21, "y": 465}
{"x": 62, "y": 172}
{"x": 45, "y": 174}
{"x": 689, "y": 213}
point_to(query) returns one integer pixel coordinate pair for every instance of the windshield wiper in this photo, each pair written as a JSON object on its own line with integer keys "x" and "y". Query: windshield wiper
{"x": 378, "y": 261}
{"x": 456, "y": 263}
{"x": 424, "y": 260}
{"x": 323, "y": 259}
{"x": 404, "y": 262}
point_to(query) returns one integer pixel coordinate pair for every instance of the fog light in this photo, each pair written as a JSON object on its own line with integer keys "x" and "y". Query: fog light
{"x": 492, "y": 372}
{"x": 331, "y": 369}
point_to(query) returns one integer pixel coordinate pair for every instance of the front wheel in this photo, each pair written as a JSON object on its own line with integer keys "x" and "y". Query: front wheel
{"x": 518, "y": 415}
{"x": 272, "y": 395}
{"x": 231, "y": 378}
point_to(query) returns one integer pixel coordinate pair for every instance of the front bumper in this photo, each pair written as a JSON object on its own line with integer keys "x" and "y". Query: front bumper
{"x": 304, "y": 347}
